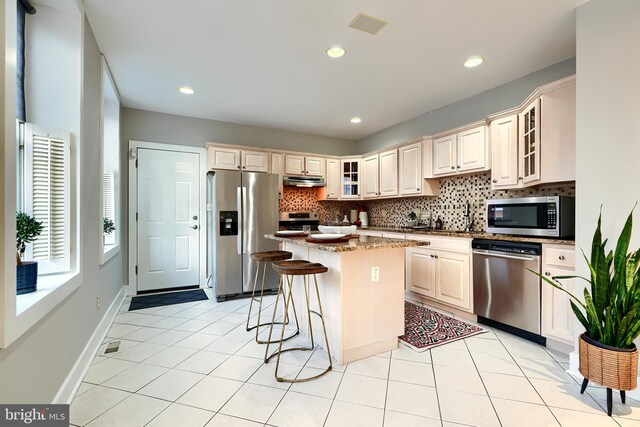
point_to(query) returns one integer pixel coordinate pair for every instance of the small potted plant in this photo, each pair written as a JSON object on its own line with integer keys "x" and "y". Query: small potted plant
{"x": 610, "y": 314}
{"x": 413, "y": 218}
{"x": 27, "y": 231}
{"x": 108, "y": 227}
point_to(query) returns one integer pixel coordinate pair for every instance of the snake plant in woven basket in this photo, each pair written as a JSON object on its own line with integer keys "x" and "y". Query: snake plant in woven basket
{"x": 610, "y": 310}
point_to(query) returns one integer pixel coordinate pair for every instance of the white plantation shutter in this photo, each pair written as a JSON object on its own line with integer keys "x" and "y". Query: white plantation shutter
{"x": 108, "y": 206}
{"x": 47, "y": 196}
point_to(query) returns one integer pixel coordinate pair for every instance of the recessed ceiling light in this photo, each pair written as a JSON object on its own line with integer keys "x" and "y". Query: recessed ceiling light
{"x": 356, "y": 120}
{"x": 186, "y": 90}
{"x": 336, "y": 52}
{"x": 473, "y": 61}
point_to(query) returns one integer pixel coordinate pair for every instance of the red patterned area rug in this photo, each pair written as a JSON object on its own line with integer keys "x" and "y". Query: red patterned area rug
{"x": 425, "y": 329}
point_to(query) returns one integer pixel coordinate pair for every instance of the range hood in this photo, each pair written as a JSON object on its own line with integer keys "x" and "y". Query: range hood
{"x": 303, "y": 181}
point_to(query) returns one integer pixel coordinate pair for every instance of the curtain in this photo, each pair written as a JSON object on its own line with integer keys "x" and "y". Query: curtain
{"x": 24, "y": 7}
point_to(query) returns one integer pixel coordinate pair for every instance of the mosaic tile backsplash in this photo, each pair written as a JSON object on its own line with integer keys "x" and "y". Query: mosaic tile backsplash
{"x": 454, "y": 193}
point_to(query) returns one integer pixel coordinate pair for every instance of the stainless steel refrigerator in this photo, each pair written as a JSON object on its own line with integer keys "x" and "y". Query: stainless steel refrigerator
{"x": 241, "y": 208}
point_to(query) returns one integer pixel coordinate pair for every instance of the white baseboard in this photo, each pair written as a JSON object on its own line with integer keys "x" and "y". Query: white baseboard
{"x": 71, "y": 384}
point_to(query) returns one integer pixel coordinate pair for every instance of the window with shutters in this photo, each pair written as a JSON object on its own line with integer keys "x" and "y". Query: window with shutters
{"x": 110, "y": 142}
{"x": 46, "y": 197}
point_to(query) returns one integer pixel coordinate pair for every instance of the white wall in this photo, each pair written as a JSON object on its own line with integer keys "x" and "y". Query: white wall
{"x": 51, "y": 84}
{"x": 607, "y": 146}
{"x": 33, "y": 368}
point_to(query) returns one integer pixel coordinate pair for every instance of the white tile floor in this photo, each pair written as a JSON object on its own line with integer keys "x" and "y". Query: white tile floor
{"x": 195, "y": 365}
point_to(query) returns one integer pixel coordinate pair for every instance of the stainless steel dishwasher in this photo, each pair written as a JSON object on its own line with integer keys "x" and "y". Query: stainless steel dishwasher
{"x": 505, "y": 294}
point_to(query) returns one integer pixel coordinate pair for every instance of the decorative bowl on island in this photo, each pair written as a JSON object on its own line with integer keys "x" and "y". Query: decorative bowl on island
{"x": 337, "y": 229}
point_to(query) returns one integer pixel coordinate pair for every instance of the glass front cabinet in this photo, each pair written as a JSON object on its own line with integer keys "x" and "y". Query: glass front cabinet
{"x": 529, "y": 135}
{"x": 351, "y": 179}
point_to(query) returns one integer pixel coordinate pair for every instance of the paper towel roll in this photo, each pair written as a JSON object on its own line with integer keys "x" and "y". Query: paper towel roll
{"x": 364, "y": 219}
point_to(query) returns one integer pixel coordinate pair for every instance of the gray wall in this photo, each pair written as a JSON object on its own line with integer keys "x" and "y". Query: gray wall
{"x": 468, "y": 110}
{"x": 33, "y": 368}
{"x": 141, "y": 125}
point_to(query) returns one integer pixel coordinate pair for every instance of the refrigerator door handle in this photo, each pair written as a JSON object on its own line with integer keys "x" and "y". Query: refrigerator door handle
{"x": 245, "y": 221}
{"x": 240, "y": 235}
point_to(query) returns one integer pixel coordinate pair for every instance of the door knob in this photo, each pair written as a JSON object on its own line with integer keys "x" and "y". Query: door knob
{"x": 195, "y": 217}
{"x": 561, "y": 257}
{"x": 495, "y": 180}
{"x": 195, "y": 227}
{"x": 546, "y": 273}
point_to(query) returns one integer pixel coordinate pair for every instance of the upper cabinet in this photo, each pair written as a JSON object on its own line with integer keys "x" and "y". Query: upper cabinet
{"x": 504, "y": 152}
{"x": 332, "y": 189}
{"x": 529, "y": 143}
{"x": 351, "y": 179}
{"x": 303, "y": 165}
{"x": 235, "y": 159}
{"x": 411, "y": 169}
{"x": 381, "y": 175}
{"x": 462, "y": 152}
{"x": 276, "y": 167}
{"x": 536, "y": 144}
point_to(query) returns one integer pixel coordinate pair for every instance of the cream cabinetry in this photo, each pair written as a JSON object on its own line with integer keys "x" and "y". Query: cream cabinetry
{"x": 236, "y": 159}
{"x": 410, "y": 169}
{"x": 381, "y": 175}
{"x": 441, "y": 271}
{"x": 350, "y": 179}
{"x": 332, "y": 189}
{"x": 536, "y": 144}
{"x": 504, "y": 152}
{"x": 461, "y": 152}
{"x": 557, "y": 316}
{"x": 277, "y": 167}
{"x": 303, "y": 165}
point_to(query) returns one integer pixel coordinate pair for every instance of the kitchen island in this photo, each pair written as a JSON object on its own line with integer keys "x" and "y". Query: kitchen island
{"x": 362, "y": 293}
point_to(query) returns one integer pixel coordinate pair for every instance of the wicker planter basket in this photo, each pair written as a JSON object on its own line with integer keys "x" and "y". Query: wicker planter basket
{"x": 608, "y": 366}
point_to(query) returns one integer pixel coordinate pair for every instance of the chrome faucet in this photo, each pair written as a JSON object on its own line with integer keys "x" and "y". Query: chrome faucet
{"x": 468, "y": 217}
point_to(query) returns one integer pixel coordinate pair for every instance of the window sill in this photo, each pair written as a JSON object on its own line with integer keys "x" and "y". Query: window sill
{"x": 52, "y": 290}
{"x": 109, "y": 251}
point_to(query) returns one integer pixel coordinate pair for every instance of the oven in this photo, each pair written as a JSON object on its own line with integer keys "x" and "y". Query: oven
{"x": 532, "y": 216}
{"x": 296, "y": 220}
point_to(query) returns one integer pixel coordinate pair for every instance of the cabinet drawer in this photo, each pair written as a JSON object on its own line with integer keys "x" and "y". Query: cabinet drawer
{"x": 371, "y": 233}
{"x": 561, "y": 257}
{"x": 394, "y": 235}
{"x": 455, "y": 244}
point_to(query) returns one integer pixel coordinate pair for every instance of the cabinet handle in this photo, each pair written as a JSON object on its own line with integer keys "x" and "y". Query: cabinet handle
{"x": 561, "y": 257}
{"x": 458, "y": 167}
{"x": 244, "y": 167}
{"x": 435, "y": 256}
{"x": 238, "y": 166}
{"x": 432, "y": 256}
{"x": 519, "y": 178}
{"x": 453, "y": 167}
{"x": 546, "y": 273}
{"x": 494, "y": 181}
{"x": 417, "y": 189}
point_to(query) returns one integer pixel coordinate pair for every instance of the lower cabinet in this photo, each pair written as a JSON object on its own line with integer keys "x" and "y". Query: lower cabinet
{"x": 442, "y": 271}
{"x": 557, "y": 316}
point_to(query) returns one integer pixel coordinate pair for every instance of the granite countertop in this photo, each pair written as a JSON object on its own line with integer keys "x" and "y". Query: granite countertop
{"x": 474, "y": 235}
{"x": 361, "y": 243}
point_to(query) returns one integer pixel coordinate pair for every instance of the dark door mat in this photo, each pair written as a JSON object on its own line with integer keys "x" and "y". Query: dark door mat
{"x": 157, "y": 300}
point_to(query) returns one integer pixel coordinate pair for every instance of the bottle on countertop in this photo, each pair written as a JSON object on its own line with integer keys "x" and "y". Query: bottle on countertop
{"x": 345, "y": 221}
{"x": 438, "y": 224}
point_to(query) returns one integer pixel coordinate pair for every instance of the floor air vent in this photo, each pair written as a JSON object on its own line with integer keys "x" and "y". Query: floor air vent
{"x": 112, "y": 347}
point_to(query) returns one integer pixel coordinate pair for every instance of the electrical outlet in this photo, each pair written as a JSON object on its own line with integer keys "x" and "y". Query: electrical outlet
{"x": 375, "y": 274}
{"x": 98, "y": 303}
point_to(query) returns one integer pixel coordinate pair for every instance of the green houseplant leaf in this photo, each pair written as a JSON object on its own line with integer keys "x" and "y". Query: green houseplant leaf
{"x": 27, "y": 231}
{"x": 610, "y": 307}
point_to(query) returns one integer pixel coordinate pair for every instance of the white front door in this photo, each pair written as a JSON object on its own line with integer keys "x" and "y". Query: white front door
{"x": 168, "y": 219}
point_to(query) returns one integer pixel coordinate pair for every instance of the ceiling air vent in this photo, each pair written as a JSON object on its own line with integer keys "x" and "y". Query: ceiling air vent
{"x": 368, "y": 24}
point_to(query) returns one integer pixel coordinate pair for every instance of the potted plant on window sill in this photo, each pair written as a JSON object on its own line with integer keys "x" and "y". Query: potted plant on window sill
{"x": 108, "y": 227}
{"x": 27, "y": 231}
{"x": 610, "y": 314}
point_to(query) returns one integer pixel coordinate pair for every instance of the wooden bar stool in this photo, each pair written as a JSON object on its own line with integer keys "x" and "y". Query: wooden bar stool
{"x": 264, "y": 258}
{"x": 290, "y": 269}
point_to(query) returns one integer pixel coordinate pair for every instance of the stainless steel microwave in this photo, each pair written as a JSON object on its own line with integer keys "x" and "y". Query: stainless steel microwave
{"x": 532, "y": 216}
